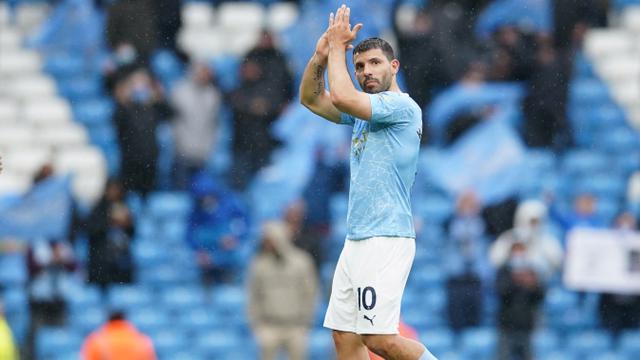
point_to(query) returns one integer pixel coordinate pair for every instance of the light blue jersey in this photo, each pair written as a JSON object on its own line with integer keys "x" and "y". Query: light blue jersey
{"x": 384, "y": 160}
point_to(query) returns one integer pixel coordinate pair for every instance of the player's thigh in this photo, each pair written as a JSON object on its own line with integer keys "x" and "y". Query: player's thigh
{"x": 383, "y": 267}
{"x": 341, "y": 312}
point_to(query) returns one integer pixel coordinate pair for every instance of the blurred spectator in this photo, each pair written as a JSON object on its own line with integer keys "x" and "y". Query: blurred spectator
{"x": 8, "y": 349}
{"x": 140, "y": 106}
{"x": 266, "y": 87}
{"x": 453, "y": 23}
{"x": 118, "y": 339}
{"x": 512, "y": 55}
{"x": 168, "y": 19}
{"x": 217, "y": 230}
{"x": 542, "y": 249}
{"x": 420, "y": 57}
{"x": 197, "y": 104}
{"x": 633, "y": 192}
{"x": 131, "y": 24}
{"x": 572, "y": 14}
{"x": 520, "y": 291}
{"x": 583, "y": 213}
{"x": 305, "y": 236}
{"x": 50, "y": 264}
{"x": 111, "y": 230}
{"x": 464, "y": 262}
{"x": 619, "y": 312}
{"x": 282, "y": 294}
{"x": 544, "y": 107}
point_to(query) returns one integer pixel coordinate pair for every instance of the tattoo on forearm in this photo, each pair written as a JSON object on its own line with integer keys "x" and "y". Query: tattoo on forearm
{"x": 318, "y": 78}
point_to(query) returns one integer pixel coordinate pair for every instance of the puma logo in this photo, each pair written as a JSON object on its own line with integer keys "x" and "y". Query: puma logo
{"x": 370, "y": 319}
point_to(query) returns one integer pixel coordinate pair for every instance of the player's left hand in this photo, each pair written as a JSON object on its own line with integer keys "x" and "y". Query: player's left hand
{"x": 340, "y": 32}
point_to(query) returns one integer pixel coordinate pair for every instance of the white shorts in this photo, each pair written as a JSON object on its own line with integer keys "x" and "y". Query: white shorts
{"x": 368, "y": 284}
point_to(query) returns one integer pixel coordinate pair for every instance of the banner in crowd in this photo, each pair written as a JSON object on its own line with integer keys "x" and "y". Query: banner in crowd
{"x": 43, "y": 212}
{"x": 603, "y": 260}
{"x": 488, "y": 160}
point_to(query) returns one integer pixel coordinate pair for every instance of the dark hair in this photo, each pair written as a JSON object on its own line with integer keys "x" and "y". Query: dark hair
{"x": 116, "y": 315}
{"x": 375, "y": 43}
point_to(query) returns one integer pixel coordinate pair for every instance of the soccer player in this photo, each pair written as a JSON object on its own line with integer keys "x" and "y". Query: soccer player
{"x": 373, "y": 267}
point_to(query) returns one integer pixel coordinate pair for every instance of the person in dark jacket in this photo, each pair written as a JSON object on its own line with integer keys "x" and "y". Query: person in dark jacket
{"x": 140, "y": 107}
{"x": 110, "y": 229}
{"x": 520, "y": 292}
{"x": 131, "y": 23}
{"x": 266, "y": 88}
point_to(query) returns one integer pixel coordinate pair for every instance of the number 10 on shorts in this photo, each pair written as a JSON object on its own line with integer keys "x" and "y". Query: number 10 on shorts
{"x": 366, "y": 298}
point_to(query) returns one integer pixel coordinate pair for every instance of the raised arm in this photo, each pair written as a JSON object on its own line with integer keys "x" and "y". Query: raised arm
{"x": 313, "y": 94}
{"x": 344, "y": 96}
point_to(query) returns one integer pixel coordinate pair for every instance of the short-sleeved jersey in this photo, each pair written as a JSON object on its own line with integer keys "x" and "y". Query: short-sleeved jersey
{"x": 384, "y": 158}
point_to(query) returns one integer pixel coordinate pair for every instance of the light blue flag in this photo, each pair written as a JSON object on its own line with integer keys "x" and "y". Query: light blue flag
{"x": 487, "y": 160}
{"x": 43, "y": 212}
{"x": 533, "y": 15}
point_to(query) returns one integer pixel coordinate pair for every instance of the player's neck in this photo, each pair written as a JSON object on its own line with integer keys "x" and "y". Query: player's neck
{"x": 394, "y": 86}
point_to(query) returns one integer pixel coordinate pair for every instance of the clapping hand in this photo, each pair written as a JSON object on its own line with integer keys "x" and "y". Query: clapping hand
{"x": 340, "y": 32}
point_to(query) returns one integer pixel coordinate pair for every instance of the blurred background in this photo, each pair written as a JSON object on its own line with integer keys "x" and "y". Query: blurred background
{"x": 161, "y": 180}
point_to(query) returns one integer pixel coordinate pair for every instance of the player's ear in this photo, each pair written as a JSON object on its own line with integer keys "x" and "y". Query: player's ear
{"x": 395, "y": 66}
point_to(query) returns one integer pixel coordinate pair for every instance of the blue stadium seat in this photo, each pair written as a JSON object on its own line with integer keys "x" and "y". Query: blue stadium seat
{"x": 87, "y": 319}
{"x": 102, "y": 135}
{"x": 605, "y": 117}
{"x": 433, "y": 209}
{"x": 160, "y": 276}
{"x": 544, "y": 342}
{"x": 629, "y": 344}
{"x": 588, "y": 91}
{"x": 167, "y": 67}
{"x": 217, "y": 344}
{"x": 199, "y": 320}
{"x": 578, "y": 162}
{"x": 438, "y": 340}
{"x": 85, "y": 297}
{"x": 606, "y": 355}
{"x": 51, "y": 341}
{"x": 621, "y": 140}
{"x": 320, "y": 345}
{"x": 13, "y": 270}
{"x": 150, "y": 320}
{"x": 63, "y": 65}
{"x": 169, "y": 205}
{"x": 479, "y": 343}
{"x": 541, "y": 160}
{"x": 148, "y": 253}
{"x": 229, "y": 299}
{"x": 227, "y": 71}
{"x": 80, "y": 88}
{"x": 183, "y": 297}
{"x": 168, "y": 342}
{"x": 94, "y": 111}
{"x": 130, "y": 297}
{"x": 427, "y": 277}
{"x": 589, "y": 342}
{"x": 604, "y": 185}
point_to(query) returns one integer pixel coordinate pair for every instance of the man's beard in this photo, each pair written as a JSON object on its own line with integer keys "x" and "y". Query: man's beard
{"x": 378, "y": 89}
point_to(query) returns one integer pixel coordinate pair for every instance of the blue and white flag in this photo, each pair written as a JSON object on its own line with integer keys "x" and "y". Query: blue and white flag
{"x": 43, "y": 212}
{"x": 487, "y": 160}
